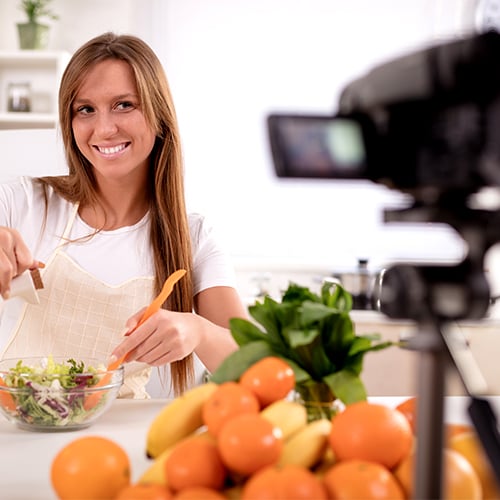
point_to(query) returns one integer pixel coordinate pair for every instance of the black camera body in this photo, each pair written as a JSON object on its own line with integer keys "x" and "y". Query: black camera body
{"x": 426, "y": 124}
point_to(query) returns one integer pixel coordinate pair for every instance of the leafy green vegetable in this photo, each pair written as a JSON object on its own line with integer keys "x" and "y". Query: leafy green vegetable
{"x": 51, "y": 394}
{"x": 313, "y": 333}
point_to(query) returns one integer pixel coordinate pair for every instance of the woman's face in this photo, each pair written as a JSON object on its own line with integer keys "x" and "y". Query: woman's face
{"x": 108, "y": 124}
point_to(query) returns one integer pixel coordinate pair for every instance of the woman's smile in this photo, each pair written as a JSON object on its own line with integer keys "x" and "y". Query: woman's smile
{"x": 112, "y": 151}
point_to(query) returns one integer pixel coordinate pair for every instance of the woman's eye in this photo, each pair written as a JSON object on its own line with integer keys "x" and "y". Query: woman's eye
{"x": 84, "y": 110}
{"x": 125, "y": 105}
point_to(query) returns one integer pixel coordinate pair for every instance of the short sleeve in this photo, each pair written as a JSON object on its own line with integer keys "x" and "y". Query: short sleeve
{"x": 212, "y": 265}
{"x": 39, "y": 216}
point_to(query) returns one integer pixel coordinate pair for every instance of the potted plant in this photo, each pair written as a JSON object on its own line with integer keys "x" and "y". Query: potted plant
{"x": 33, "y": 34}
{"x": 315, "y": 335}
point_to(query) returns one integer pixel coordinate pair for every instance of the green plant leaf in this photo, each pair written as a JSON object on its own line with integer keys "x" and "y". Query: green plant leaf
{"x": 298, "y": 294}
{"x": 36, "y": 9}
{"x": 266, "y": 314}
{"x": 312, "y": 312}
{"x": 335, "y": 296}
{"x": 347, "y": 386}
{"x": 363, "y": 344}
{"x": 337, "y": 336}
{"x": 359, "y": 344}
{"x": 244, "y": 331}
{"x": 298, "y": 338}
{"x": 307, "y": 350}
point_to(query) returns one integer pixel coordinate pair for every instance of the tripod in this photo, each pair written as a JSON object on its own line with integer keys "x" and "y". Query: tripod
{"x": 435, "y": 297}
{"x": 438, "y": 348}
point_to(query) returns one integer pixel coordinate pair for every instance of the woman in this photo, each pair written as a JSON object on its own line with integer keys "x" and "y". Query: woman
{"x": 113, "y": 229}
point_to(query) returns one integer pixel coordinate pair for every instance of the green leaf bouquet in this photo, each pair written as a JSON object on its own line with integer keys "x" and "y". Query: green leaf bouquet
{"x": 314, "y": 334}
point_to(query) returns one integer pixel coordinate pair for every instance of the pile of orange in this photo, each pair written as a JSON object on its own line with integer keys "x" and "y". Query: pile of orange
{"x": 368, "y": 442}
{"x": 467, "y": 471}
{"x": 239, "y": 441}
{"x": 370, "y": 454}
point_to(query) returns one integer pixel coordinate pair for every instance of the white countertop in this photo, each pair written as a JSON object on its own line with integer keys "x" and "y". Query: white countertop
{"x": 26, "y": 457}
{"x": 376, "y": 317}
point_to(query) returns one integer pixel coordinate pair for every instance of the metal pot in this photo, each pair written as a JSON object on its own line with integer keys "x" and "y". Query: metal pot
{"x": 360, "y": 284}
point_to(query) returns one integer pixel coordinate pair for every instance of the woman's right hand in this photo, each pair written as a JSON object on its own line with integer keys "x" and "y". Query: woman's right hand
{"x": 15, "y": 258}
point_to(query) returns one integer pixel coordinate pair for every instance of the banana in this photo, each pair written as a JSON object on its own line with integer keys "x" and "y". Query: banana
{"x": 155, "y": 473}
{"x": 308, "y": 445}
{"x": 178, "y": 419}
{"x": 289, "y": 416}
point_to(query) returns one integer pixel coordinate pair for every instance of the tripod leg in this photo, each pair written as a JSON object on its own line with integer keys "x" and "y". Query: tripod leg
{"x": 430, "y": 412}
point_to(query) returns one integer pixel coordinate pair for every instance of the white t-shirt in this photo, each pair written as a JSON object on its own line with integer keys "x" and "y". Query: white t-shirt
{"x": 111, "y": 256}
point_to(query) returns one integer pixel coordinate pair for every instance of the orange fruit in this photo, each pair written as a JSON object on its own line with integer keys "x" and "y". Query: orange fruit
{"x": 228, "y": 399}
{"x": 269, "y": 379}
{"x": 90, "y": 467}
{"x": 284, "y": 483}
{"x": 453, "y": 429}
{"x": 409, "y": 409}
{"x": 361, "y": 479}
{"x": 469, "y": 446}
{"x": 145, "y": 492}
{"x": 373, "y": 432}
{"x": 6, "y": 399}
{"x": 460, "y": 479}
{"x": 199, "y": 493}
{"x": 249, "y": 442}
{"x": 195, "y": 462}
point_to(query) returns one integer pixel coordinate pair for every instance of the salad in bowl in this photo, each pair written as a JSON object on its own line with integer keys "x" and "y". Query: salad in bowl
{"x": 55, "y": 393}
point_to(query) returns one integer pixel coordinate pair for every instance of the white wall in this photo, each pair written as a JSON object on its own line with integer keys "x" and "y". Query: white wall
{"x": 80, "y": 20}
{"x": 230, "y": 62}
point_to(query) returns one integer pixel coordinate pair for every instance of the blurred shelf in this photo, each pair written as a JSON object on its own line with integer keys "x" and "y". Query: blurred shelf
{"x": 43, "y": 71}
{"x": 27, "y": 120}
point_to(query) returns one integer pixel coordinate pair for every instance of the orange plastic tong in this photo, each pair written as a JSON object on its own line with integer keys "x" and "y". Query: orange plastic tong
{"x": 166, "y": 290}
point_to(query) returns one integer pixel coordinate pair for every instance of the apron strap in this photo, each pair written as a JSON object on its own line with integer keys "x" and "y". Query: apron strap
{"x": 71, "y": 220}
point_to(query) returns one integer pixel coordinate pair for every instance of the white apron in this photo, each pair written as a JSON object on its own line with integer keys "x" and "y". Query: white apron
{"x": 80, "y": 316}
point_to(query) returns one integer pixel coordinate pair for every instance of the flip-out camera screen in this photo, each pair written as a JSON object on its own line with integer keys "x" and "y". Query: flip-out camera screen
{"x": 317, "y": 146}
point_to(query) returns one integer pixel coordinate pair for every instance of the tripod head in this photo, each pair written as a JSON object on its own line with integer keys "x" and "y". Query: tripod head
{"x": 446, "y": 293}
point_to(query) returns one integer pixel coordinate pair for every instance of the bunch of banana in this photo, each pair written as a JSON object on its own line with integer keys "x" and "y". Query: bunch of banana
{"x": 182, "y": 419}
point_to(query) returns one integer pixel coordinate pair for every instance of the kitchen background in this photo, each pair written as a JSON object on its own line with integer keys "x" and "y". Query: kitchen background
{"x": 230, "y": 63}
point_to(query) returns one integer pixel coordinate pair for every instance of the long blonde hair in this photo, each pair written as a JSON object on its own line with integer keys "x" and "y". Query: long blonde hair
{"x": 170, "y": 236}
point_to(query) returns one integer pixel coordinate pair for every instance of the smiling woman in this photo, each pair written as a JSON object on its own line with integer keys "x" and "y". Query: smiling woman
{"x": 112, "y": 230}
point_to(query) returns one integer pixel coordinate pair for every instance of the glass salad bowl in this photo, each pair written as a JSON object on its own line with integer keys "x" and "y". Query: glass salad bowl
{"x": 56, "y": 393}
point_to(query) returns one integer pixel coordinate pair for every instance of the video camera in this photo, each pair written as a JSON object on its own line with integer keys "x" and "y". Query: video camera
{"x": 426, "y": 124}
